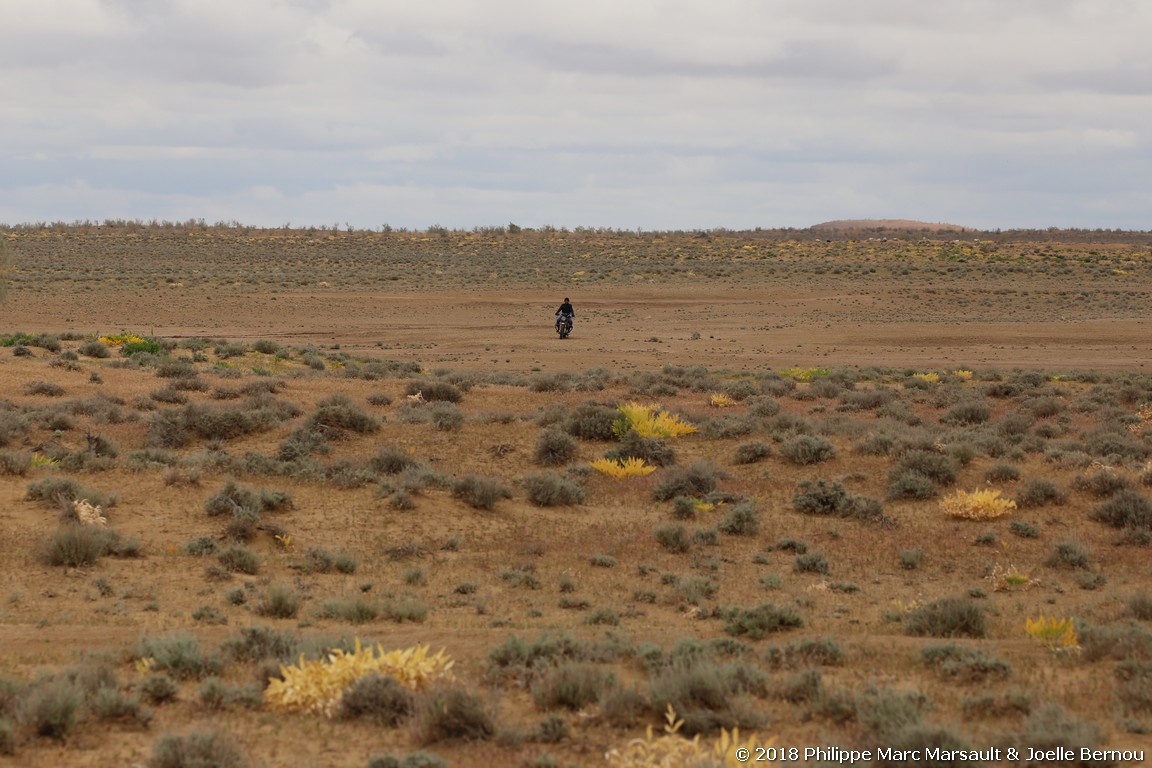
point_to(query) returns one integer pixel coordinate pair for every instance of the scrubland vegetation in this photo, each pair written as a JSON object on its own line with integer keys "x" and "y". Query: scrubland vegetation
{"x": 853, "y": 556}
{"x": 259, "y": 553}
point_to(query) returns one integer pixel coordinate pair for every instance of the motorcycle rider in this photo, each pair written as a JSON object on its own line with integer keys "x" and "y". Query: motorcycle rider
{"x": 565, "y": 311}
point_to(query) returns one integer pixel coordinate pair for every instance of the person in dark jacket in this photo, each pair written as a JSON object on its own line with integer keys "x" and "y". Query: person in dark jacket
{"x": 565, "y": 311}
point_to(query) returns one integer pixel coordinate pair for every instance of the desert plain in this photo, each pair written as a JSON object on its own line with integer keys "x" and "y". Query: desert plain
{"x": 304, "y": 438}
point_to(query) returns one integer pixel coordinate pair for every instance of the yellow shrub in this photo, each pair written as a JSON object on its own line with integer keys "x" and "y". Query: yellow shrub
{"x": 1055, "y": 634}
{"x": 116, "y": 339}
{"x": 316, "y": 686}
{"x": 977, "y": 505}
{"x": 622, "y": 468}
{"x": 805, "y": 374}
{"x": 962, "y": 374}
{"x": 650, "y": 421}
{"x": 671, "y": 750}
{"x": 720, "y": 400}
{"x": 929, "y": 377}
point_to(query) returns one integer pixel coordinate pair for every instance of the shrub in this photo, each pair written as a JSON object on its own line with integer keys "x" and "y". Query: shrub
{"x": 939, "y": 469}
{"x": 547, "y": 489}
{"x": 449, "y": 713}
{"x": 742, "y": 520}
{"x": 237, "y": 558}
{"x": 199, "y": 749}
{"x": 1051, "y": 727}
{"x": 376, "y": 697}
{"x": 906, "y": 484}
{"x": 811, "y": 562}
{"x": 807, "y": 449}
{"x": 910, "y": 558}
{"x": 236, "y": 497}
{"x": 1126, "y": 509}
{"x": 757, "y": 623}
{"x": 74, "y": 545}
{"x": 338, "y": 413}
{"x": 807, "y": 652}
{"x": 1102, "y": 484}
{"x": 697, "y": 479}
{"x": 824, "y": 497}
{"x": 280, "y": 602}
{"x": 591, "y": 421}
{"x": 1140, "y": 607}
{"x": 16, "y": 463}
{"x": 966, "y": 414}
{"x": 572, "y": 686}
{"x": 651, "y": 450}
{"x": 159, "y": 688}
{"x": 977, "y": 505}
{"x": 412, "y": 760}
{"x": 1038, "y": 493}
{"x": 673, "y": 538}
{"x": 706, "y": 695}
{"x": 1002, "y": 473}
{"x": 435, "y": 391}
{"x": 1068, "y": 555}
{"x": 53, "y": 708}
{"x": 179, "y": 655}
{"x": 480, "y": 492}
{"x": 947, "y": 617}
{"x": 554, "y": 448}
{"x": 392, "y": 461}
{"x": 446, "y": 417}
{"x": 53, "y": 489}
{"x": 752, "y": 452}
{"x": 964, "y": 664}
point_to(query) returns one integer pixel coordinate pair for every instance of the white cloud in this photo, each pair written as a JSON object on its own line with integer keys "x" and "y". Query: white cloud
{"x": 654, "y": 113}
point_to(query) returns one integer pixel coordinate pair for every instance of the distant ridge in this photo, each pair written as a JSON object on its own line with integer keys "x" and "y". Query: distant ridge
{"x": 898, "y": 224}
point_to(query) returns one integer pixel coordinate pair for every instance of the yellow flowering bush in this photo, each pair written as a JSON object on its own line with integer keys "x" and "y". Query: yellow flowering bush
{"x": 119, "y": 339}
{"x": 671, "y": 750}
{"x": 650, "y": 421}
{"x": 622, "y": 468}
{"x": 805, "y": 374}
{"x": 316, "y": 686}
{"x": 962, "y": 374}
{"x": 977, "y": 505}
{"x": 720, "y": 400}
{"x": 931, "y": 378}
{"x": 1055, "y": 634}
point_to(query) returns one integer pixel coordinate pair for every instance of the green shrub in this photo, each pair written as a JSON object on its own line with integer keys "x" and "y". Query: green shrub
{"x": 964, "y": 664}
{"x": 53, "y": 708}
{"x": 824, "y": 652}
{"x": 337, "y": 413}
{"x": 1102, "y": 484}
{"x": 708, "y": 696}
{"x": 412, "y": 760}
{"x": 906, "y": 484}
{"x": 1126, "y": 509}
{"x": 555, "y": 448}
{"x": 392, "y": 461}
{"x": 573, "y": 686}
{"x": 592, "y": 421}
{"x": 752, "y": 452}
{"x": 673, "y": 538}
{"x": 697, "y": 479}
{"x": 280, "y": 601}
{"x": 378, "y": 698}
{"x": 159, "y": 688}
{"x": 947, "y": 617}
{"x": 199, "y": 749}
{"x": 1002, "y": 473}
{"x": 179, "y": 655}
{"x": 434, "y": 391}
{"x": 450, "y": 713}
{"x": 15, "y": 463}
{"x": 757, "y": 623}
{"x": 807, "y": 449}
{"x": 742, "y": 520}
{"x": 910, "y": 558}
{"x": 75, "y": 546}
{"x": 356, "y": 610}
{"x": 53, "y": 489}
{"x": 650, "y": 450}
{"x": 935, "y": 467}
{"x": 480, "y": 492}
{"x": 446, "y": 417}
{"x": 1038, "y": 493}
{"x": 237, "y": 558}
{"x": 823, "y": 497}
{"x": 966, "y": 414}
{"x": 811, "y": 562}
{"x": 1068, "y": 555}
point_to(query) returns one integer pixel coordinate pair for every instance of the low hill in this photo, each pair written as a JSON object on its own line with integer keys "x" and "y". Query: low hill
{"x": 897, "y": 224}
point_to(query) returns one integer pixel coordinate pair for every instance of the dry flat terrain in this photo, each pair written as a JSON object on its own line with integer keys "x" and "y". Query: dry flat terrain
{"x": 809, "y": 561}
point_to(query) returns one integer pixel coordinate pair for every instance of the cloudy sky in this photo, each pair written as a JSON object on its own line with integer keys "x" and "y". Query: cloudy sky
{"x": 616, "y": 113}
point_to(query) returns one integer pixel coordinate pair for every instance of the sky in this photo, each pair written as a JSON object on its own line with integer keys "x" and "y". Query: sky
{"x": 650, "y": 114}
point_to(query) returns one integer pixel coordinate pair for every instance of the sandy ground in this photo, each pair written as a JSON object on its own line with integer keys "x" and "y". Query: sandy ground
{"x": 618, "y": 328}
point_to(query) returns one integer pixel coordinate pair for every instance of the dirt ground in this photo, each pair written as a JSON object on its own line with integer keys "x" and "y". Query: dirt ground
{"x": 748, "y": 328}
{"x": 853, "y": 304}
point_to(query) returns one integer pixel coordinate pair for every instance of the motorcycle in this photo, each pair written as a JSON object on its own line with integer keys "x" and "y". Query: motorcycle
{"x": 564, "y": 325}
